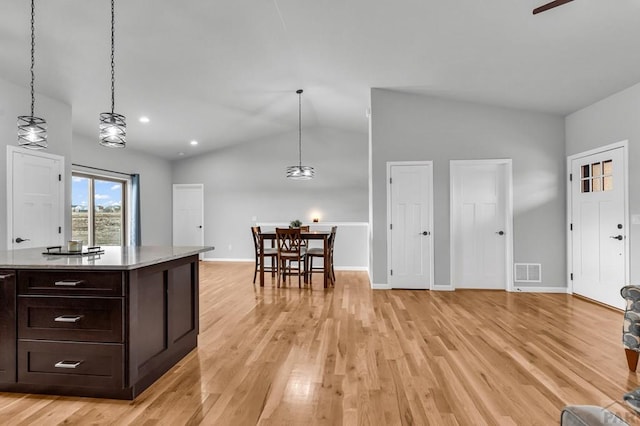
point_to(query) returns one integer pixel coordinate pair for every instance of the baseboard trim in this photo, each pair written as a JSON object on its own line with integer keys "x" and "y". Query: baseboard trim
{"x": 380, "y": 286}
{"x": 525, "y": 289}
{"x": 352, "y": 268}
{"x": 222, "y": 259}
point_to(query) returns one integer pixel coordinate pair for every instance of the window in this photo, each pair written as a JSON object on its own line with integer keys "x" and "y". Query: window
{"x": 98, "y": 206}
{"x": 597, "y": 177}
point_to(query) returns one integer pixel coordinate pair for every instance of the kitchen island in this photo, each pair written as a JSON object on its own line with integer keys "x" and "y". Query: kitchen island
{"x": 103, "y": 325}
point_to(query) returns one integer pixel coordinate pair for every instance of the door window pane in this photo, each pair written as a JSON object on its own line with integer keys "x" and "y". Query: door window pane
{"x": 80, "y": 209}
{"x": 108, "y": 213}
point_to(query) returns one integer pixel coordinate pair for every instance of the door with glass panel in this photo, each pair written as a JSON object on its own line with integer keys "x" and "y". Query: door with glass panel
{"x": 598, "y": 227}
{"x": 98, "y": 210}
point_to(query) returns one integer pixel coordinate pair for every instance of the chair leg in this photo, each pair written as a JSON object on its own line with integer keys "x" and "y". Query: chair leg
{"x": 273, "y": 269}
{"x": 279, "y": 262}
{"x": 255, "y": 270}
{"x": 310, "y": 269}
{"x": 632, "y": 359}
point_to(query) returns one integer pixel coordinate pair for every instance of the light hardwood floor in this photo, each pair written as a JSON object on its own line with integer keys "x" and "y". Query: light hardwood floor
{"x": 353, "y": 356}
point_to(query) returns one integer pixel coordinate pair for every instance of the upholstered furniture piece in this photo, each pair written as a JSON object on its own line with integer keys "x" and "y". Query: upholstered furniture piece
{"x": 631, "y": 325}
{"x": 589, "y": 415}
{"x": 291, "y": 253}
{"x": 271, "y": 253}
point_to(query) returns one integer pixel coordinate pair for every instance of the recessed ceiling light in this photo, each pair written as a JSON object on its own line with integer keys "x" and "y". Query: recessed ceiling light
{"x": 194, "y": 143}
{"x": 144, "y": 119}
{"x": 181, "y": 154}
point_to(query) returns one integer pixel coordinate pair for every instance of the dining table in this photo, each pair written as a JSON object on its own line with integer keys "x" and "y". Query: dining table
{"x": 304, "y": 235}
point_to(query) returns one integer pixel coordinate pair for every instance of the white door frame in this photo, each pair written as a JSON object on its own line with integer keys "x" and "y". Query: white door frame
{"x": 453, "y": 215}
{"x": 12, "y": 150}
{"x": 625, "y": 151}
{"x": 389, "y": 212}
{"x": 177, "y": 186}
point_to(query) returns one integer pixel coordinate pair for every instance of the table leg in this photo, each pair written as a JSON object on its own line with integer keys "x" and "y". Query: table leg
{"x": 261, "y": 262}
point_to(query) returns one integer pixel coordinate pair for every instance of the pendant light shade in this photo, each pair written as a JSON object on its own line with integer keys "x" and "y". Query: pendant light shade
{"x": 32, "y": 130}
{"x": 113, "y": 127}
{"x": 300, "y": 172}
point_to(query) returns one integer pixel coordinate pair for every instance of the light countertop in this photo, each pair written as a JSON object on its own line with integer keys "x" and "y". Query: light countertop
{"x": 114, "y": 257}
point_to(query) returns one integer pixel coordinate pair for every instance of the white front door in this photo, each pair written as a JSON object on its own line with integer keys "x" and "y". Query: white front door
{"x": 480, "y": 224}
{"x": 35, "y": 199}
{"x": 410, "y": 236}
{"x": 599, "y": 226}
{"x": 188, "y": 215}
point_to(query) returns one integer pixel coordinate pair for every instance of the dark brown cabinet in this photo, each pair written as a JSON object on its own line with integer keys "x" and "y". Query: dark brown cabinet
{"x": 7, "y": 326}
{"x": 97, "y": 333}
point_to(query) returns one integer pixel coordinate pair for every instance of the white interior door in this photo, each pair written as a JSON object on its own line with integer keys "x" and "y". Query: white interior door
{"x": 410, "y": 237}
{"x": 35, "y": 199}
{"x": 188, "y": 215}
{"x": 598, "y": 220}
{"x": 481, "y": 224}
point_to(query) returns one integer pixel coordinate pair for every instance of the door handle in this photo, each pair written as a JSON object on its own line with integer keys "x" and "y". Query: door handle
{"x": 69, "y": 318}
{"x": 425, "y": 233}
{"x": 500, "y": 232}
{"x": 617, "y": 237}
{"x": 19, "y": 240}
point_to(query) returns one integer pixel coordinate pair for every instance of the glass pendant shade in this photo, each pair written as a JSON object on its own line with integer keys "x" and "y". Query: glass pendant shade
{"x": 113, "y": 130}
{"x": 32, "y": 132}
{"x": 300, "y": 172}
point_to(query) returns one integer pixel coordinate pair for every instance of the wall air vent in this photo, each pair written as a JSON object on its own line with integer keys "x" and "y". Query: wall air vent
{"x": 527, "y": 272}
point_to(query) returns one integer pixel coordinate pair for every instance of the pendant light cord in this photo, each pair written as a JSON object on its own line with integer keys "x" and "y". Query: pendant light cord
{"x": 113, "y": 73}
{"x": 33, "y": 49}
{"x": 300, "y": 128}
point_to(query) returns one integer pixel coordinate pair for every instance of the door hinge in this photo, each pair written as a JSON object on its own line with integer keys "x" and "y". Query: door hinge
{"x": 572, "y": 276}
{"x": 570, "y": 177}
{"x": 392, "y": 272}
{"x": 59, "y": 229}
{"x": 59, "y": 178}
{"x": 391, "y": 226}
{"x": 390, "y": 180}
{"x": 571, "y": 227}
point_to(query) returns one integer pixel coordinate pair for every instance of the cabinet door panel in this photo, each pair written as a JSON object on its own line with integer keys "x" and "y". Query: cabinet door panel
{"x": 7, "y": 327}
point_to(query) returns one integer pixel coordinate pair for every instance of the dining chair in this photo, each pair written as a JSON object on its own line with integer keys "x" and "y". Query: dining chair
{"x": 318, "y": 252}
{"x": 290, "y": 251}
{"x": 271, "y": 253}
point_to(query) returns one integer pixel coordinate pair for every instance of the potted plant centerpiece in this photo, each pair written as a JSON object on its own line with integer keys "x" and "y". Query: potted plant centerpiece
{"x": 295, "y": 224}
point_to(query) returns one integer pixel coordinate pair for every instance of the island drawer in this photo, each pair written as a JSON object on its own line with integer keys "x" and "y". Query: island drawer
{"x": 89, "y": 365}
{"x": 71, "y": 283}
{"x": 70, "y": 318}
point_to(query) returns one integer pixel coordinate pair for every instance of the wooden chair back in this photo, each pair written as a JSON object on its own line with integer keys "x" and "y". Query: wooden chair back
{"x": 255, "y": 232}
{"x": 289, "y": 241}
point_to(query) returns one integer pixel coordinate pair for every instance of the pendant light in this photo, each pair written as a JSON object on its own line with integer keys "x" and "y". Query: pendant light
{"x": 32, "y": 130}
{"x": 300, "y": 172}
{"x": 113, "y": 127}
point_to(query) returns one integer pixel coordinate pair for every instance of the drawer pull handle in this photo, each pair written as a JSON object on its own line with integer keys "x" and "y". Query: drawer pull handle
{"x": 68, "y": 364}
{"x": 5, "y": 276}
{"x": 69, "y": 318}
{"x": 68, "y": 283}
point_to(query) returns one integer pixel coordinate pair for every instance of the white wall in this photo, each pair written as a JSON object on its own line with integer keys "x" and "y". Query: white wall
{"x": 412, "y": 127}
{"x": 14, "y": 101}
{"x": 247, "y": 181}
{"x": 155, "y": 182}
{"x": 610, "y": 120}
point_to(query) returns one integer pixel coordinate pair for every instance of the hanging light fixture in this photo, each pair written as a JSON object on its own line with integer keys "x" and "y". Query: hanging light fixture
{"x": 32, "y": 130}
{"x": 113, "y": 127}
{"x": 300, "y": 172}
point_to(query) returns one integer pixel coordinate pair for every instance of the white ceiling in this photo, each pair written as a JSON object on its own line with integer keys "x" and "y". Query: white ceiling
{"x": 223, "y": 72}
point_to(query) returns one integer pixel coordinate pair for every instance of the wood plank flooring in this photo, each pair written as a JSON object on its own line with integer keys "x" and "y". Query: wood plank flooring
{"x": 353, "y": 356}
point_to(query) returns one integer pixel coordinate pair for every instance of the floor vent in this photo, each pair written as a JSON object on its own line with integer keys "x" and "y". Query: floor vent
{"x": 528, "y": 272}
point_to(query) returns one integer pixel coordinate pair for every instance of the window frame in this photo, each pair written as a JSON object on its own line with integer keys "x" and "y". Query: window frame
{"x": 126, "y": 185}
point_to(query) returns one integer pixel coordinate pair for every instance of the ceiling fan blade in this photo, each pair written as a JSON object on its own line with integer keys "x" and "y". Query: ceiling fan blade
{"x": 550, "y": 5}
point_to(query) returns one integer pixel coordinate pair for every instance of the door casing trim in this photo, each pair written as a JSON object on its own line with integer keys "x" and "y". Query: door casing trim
{"x": 508, "y": 163}
{"x": 624, "y": 144}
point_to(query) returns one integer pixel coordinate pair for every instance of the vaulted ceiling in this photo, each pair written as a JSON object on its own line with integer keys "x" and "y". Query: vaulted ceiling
{"x": 224, "y": 72}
